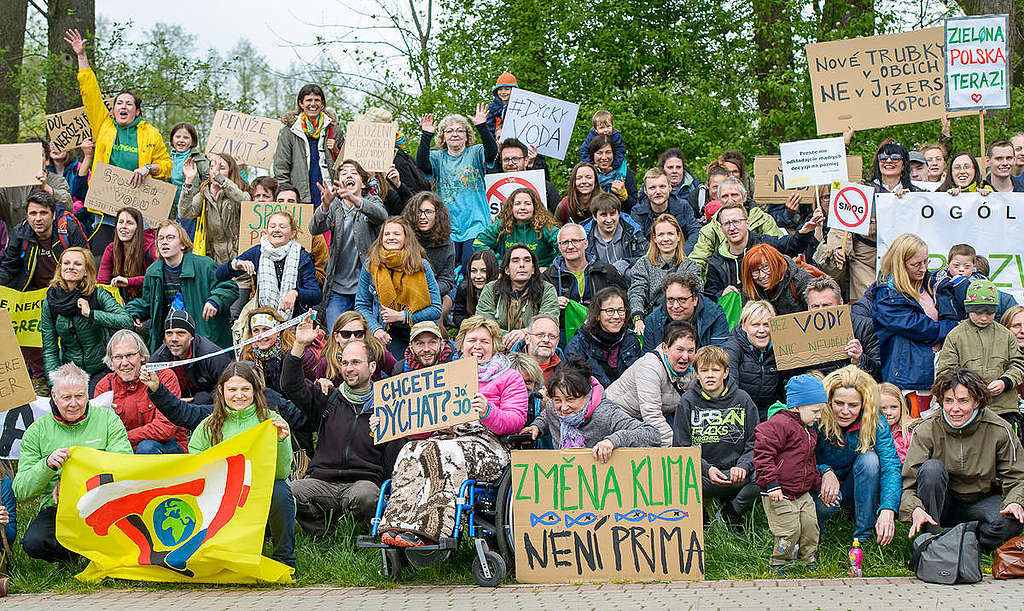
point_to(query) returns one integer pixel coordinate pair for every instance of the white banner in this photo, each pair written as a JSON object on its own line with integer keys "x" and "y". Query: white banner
{"x": 13, "y": 423}
{"x": 989, "y": 224}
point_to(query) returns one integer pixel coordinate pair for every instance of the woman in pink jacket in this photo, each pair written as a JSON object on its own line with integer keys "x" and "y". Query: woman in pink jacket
{"x": 429, "y": 471}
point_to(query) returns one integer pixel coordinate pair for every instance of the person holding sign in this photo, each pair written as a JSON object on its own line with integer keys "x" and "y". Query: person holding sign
{"x": 522, "y": 220}
{"x": 514, "y": 156}
{"x": 458, "y": 168}
{"x": 857, "y": 457}
{"x": 767, "y": 274}
{"x": 429, "y": 471}
{"x": 308, "y": 144}
{"x": 577, "y": 415}
{"x": 426, "y": 348}
{"x": 126, "y": 259}
{"x": 77, "y": 317}
{"x": 124, "y": 141}
{"x": 751, "y": 358}
{"x": 397, "y": 288}
{"x": 964, "y": 176}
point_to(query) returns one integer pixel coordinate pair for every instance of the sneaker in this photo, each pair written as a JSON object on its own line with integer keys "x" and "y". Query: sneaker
{"x": 778, "y": 570}
{"x": 407, "y": 539}
{"x": 812, "y": 566}
{"x": 388, "y": 537}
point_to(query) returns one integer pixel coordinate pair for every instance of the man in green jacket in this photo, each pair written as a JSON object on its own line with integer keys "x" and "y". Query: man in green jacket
{"x": 47, "y": 443}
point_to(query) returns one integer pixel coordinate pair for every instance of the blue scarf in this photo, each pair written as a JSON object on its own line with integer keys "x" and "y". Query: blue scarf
{"x": 490, "y": 369}
{"x": 571, "y": 436}
{"x": 605, "y": 180}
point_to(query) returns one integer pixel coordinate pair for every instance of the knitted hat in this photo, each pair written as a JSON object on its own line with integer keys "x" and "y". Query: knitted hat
{"x": 426, "y": 326}
{"x": 982, "y": 296}
{"x": 179, "y": 319}
{"x": 505, "y": 80}
{"x": 804, "y": 389}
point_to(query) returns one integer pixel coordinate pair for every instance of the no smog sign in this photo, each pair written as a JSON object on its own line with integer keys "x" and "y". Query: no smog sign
{"x": 851, "y": 207}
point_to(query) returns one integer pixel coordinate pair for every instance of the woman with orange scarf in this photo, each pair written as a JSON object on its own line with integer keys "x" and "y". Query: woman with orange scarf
{"x": 397, "y": 288}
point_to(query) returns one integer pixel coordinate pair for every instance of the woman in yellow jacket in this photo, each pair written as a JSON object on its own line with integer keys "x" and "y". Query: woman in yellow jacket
{"x": 126, "y": 141}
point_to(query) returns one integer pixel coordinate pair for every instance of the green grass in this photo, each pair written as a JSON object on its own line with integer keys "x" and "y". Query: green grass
{"x": 336, "y": 561}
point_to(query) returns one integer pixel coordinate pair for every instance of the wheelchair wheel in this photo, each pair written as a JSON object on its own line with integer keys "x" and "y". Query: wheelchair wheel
{"x": 495, "y": 565}
{"x": 422, "y": 559}
{"x": 503, "y": 520}
{"x": 392, "y": 561}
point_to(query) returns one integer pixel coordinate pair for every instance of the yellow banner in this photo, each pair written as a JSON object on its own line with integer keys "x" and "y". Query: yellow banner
{"x": 25, "y": 308}
{"x": 182, "y": 518}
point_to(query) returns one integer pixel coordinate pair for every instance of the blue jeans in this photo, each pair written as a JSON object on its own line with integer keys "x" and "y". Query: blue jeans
{"x": 282, "y": 522}
{"x": 861, "y": 486}
{"x": 150, "y": 446}
{"x": 336, "y": 306}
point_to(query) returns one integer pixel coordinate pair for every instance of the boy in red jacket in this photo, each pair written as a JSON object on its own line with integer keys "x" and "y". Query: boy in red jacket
{"x": 786, "y": 471}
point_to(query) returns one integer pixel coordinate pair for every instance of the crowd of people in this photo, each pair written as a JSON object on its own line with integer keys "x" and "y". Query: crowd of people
{"x": 619, "y": 315}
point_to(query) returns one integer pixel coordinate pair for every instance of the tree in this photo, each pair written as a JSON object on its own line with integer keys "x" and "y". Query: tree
{"x": 12, "y": 43}
{"x": 61, "y": 84}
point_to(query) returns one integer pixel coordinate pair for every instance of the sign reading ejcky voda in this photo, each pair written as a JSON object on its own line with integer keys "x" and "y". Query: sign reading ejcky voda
{"x": 541, "y": 121}
{"x": 977, "y": 73}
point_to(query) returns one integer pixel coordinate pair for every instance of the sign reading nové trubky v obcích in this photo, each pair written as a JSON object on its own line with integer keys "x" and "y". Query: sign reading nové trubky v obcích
{"x": 425, "y": 400}
{"x": 977, "y": 73}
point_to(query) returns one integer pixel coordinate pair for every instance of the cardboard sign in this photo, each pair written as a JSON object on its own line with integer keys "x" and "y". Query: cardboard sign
{"x": 111, "y": 190}
{"x": 247, "y": 138}
{"x": 20, "y": 163}
{"x": 254, "y": 217}
{"x": 813, "y": 162}
{"x": 850, "y": 207}
{"x": 768, "y": 188}
{"x": 500, "y": 186}
{"x": 15, "y": 382}
{"x": 371, "y": 144}
{"x": 877, "y": 81}
{"x": 69, "y": 129}
{"x": 977, "y": 73}
{"x": 15, "y": 421}
{"x": 988, "y": 223}
{"x": 538, "y": 120}
{"x": 637, "y": 517}
{"x": 810, "y": 338}
{"x": 425, "y": 400}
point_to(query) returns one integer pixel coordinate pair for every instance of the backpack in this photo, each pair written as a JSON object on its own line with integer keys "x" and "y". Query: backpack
{"x": 953, "y": 556}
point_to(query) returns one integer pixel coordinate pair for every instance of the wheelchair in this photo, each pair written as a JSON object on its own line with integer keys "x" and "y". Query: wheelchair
{"x": 483, "y": 513}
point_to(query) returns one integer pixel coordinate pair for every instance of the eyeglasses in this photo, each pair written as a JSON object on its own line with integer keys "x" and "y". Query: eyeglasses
{"x": 427, "y": 212}
{"x": 451, "y": 131}
{"x": 511, "y": 160}
{"x": 890, "y": 157}
{"x": 921, "y": 265}
{"x": 574, "y": 243}
{"x": 614, "y": 311}
{"x": 736, "y": 223}
{"x": 549, "y": 336}
{"x": 117, "y": 358}
{"x": 346, "y": 334}
{"x": 674, "y": 301}
{"x": 764, "y": 270}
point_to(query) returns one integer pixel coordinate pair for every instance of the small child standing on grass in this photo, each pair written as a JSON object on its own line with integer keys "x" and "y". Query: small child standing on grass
{"x": 602, "y": 126}
{"x": 786, "y": 470}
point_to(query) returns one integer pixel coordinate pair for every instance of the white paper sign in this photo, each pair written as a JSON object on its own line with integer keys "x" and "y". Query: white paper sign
{"x": 942, "y": 220}
{"x": 850, "y": 207}
{"x": 813, "y": 162}
{"x": 977, "y": 74}
{"x": 13, "y": 423}
{"x": 538, "y": 120}
{"x": 499, "y": 186}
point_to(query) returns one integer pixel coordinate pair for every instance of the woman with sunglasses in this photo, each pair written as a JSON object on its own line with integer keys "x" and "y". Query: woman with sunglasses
{"x": 349, "y": 326}
{"x": 605, "y": 339}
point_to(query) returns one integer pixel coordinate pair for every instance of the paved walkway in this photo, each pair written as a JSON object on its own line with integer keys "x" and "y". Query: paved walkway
{"x": 856, "y": 594}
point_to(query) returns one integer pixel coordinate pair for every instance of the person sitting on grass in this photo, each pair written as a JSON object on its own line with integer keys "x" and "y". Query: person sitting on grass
{"x": 720, "y": 418}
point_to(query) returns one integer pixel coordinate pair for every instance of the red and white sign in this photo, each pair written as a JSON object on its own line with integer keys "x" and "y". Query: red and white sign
{"x": 500, "y": 186}
{"x": 850, "y": 207}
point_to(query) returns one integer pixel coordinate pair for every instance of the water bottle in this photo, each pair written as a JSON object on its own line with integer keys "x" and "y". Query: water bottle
{"x": 856, "y": 559}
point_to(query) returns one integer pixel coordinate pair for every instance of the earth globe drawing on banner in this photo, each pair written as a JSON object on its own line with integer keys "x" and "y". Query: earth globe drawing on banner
{"x": 173, "y": 521}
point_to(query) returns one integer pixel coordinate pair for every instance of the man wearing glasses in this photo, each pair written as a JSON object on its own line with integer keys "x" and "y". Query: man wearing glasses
{"x": 542, "y": 343}
{"x": 572, "y": 273}
{"x": 514, "y": 156}
{"x": 684, "y": 302}
{"x": 723, "y": 274}
{"x": 149, "y": 431}
{"x": 731, "y": 190}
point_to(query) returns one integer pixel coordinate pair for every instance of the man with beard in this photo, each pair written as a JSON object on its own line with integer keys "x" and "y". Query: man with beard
{"x": 149, "y": 431}
{"x": 426, "y": 348}
{"x": 196, "y": 380}
{"x": 542, "y": 343}
{"x": 347, "y": 469}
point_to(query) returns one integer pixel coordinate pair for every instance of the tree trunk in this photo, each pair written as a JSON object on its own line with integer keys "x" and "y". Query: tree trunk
{"x": 61, "y": 84}
{"x": 12, "y": 45}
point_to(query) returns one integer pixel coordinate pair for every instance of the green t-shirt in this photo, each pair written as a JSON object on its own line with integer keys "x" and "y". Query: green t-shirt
{"x": 125, "y": 152}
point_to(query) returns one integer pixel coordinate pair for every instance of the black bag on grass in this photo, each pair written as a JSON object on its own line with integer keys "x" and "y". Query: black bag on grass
{"x": 953, "y": 556}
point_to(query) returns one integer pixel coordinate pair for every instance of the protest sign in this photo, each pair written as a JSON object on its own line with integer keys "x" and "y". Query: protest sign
{"x": 538, "y": 120}
{"x": 768, "y": 188}
{"x": 15, "y": 382}
{"x": 942, "y": 220}
{"x": 20, "y": 164}
{"x": 69, "y": 129}
{"x": 637, "y": 517}
{"x": 425, "y": 400}
{"x": 24, "y": 308}
{"x": 111, "y": 190}
{"x": 15, "y": 421}
{"x": 254, "y": 217}
{"x": 813, "y": 162}
{"x": 850, "y": 207}
{"x": 810, "y": 338}
{"x": 248, "y": 138}
{"x": 371, "y": 144}
{"x": 977, "y": 73}
{"x": 500, "y": 185}
{"x": 877, "y": 81}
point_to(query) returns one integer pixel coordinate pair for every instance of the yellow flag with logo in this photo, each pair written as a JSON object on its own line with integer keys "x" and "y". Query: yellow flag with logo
{"x": 187, "y": 518}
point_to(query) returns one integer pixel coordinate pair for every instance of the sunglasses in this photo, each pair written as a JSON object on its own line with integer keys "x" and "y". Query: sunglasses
{"x": 346, "y": 334}
{"x": 890, "y": 157}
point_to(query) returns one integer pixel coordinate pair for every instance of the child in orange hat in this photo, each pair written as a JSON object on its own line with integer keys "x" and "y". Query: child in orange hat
{"x": 496, "y": 111}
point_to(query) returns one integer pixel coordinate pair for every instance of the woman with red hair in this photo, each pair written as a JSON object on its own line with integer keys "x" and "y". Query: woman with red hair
{"x": 771, "y": 276}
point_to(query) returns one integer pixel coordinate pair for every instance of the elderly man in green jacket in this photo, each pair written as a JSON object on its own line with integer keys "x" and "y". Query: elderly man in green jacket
{"x": 47, "y": 443}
